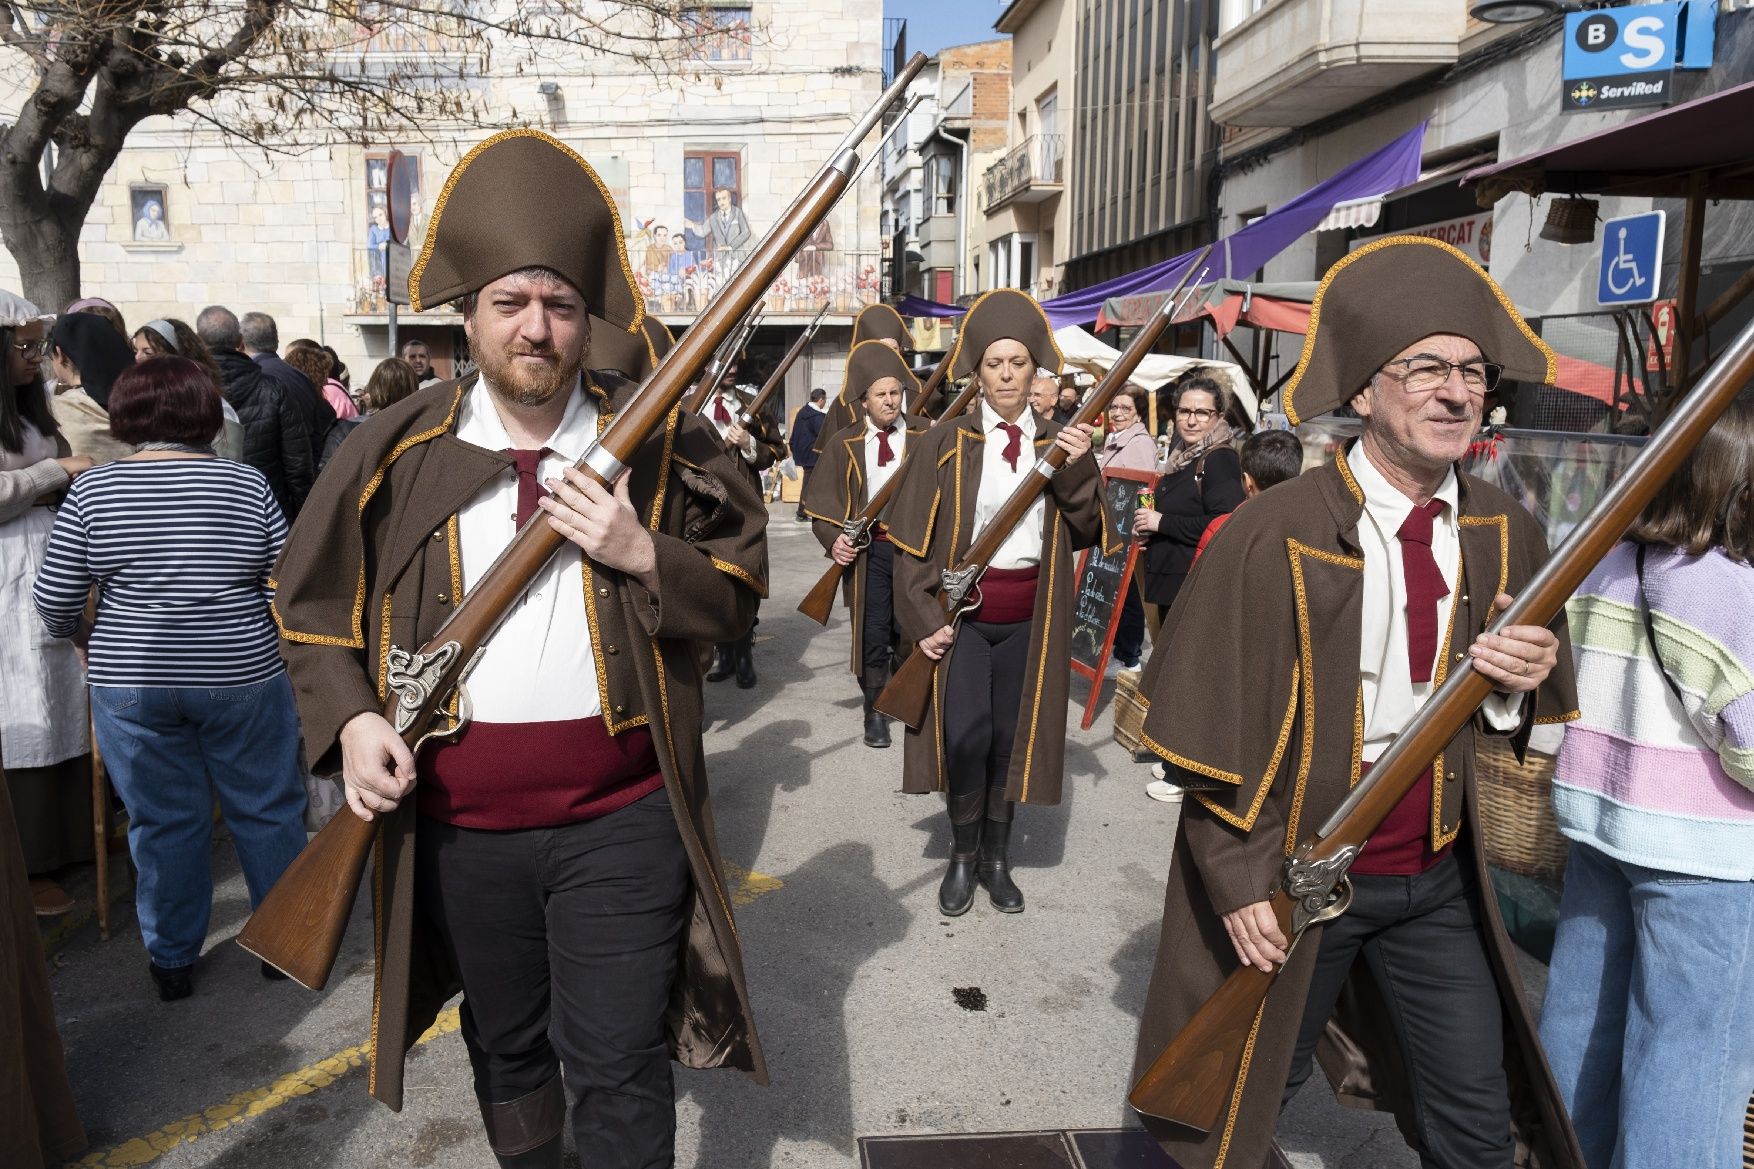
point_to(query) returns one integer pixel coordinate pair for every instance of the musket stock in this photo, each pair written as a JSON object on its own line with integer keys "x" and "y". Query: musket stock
{"x": 905, "y": 699}
{"x": 300, "y": 923}
{"x": 818, "y": 603}
{"x": 931, "y": 386}
{"x": 1204, "y": 1060}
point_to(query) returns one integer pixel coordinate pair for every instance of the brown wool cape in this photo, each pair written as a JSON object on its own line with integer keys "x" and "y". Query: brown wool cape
{"x": 374, "y": 561}
{"x": 835, "y": 492}
{"x": 931, "y": 522}
{"x": 1256, "y": 705}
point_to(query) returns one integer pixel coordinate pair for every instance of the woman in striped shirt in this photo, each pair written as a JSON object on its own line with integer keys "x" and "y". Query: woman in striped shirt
{"x": 187, "y": 686}
{"x": 1649, "y": 1014}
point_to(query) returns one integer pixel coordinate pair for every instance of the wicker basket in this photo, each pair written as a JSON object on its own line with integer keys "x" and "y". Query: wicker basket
{"x": 1516, "y": 810}
{"x": 1129, "y": 710}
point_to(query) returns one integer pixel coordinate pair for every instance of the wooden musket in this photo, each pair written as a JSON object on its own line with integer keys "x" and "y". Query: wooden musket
{"x": 910, "y": 691}
{"x": 726, "y": 353}
{"x": 748, "y": 414}
{"x": 298, "y": 927}
{"x": 931, "y": 386}
{"x": 1194, "y": 1078}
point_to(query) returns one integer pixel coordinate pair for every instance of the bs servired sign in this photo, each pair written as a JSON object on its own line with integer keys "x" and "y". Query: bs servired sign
{"x": 1620, "y": 57}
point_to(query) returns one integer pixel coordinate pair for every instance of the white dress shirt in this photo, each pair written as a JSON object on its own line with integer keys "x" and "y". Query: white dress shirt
{"x": 1022, "y": 548}
{"x": 1391, "y": 697}
{"x": 539, "y": 665}
{"x": 733, "y": 403}
{"x": 875, "y": 476}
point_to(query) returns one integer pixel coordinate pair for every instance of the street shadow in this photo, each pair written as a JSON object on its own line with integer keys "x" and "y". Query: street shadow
{"x": 803, "y": 953}
{"x": 749, "y": 778}
{"x": 1132, "y": 964}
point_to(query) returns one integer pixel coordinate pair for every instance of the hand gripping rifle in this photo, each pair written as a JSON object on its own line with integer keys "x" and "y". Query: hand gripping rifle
{"x": 299, "y": 925}
{"x": 748, "y": 414}
{"x": 1196, "y": 1076}
{"x": 727, "y": 353}
{"x": 910, "y": 691}
{"x": 819, "y": 601}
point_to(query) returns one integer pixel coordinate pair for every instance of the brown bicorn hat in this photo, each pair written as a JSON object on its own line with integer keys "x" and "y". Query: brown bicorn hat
{"x": 999, "y": 315}
{"x": 523, "y": 199}
{"x": 1390, "y": 293}
{"x": 871, "y": 361}
{"x": 876, "y": 322}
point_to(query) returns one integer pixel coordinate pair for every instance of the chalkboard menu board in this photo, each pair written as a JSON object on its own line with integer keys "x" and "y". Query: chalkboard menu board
{"x": 1102, "y": 581}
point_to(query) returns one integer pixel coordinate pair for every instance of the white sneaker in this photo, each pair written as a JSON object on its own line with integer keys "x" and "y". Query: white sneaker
{"x": 1163, "y": 791}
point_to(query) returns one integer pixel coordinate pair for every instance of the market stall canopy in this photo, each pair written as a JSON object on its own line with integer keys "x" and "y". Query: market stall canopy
{"x": 1082, "y": 351}
{"x": 1244, "y": 252}
{"x": 919, "y": 306}
{"x": 1283, "y": 306}
{"x": 1651, "y": 156}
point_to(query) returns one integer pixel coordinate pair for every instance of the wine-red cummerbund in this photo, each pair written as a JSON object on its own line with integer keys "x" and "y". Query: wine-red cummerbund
{"x": 1007, "y": 595}
{"x": 1401, "y": 844}
{"x": 536, "y": 775}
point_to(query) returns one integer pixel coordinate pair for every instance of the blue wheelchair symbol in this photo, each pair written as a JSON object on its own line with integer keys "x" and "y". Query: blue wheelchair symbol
{"x": 1632, "y": 252}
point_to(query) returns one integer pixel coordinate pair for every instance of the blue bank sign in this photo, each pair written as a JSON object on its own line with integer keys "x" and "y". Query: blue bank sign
{"x": 1620, "y": 57}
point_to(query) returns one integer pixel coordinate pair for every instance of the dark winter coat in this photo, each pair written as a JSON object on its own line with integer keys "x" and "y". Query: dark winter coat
{"x": 277, "y": 441}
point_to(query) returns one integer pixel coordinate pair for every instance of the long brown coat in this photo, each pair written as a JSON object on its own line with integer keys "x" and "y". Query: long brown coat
{"x": 834, "y": 493}
{"x": 1255, "y": 697}
{"x": 374, "y": 561}
{"x": 770, "y": 448}
{"x": 931, "y": 521}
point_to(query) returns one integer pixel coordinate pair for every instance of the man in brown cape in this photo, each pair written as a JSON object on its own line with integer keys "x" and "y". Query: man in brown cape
{"x": 855, "y": 463}
{"x": 557, "y": 862}
{"x": 995, "y": 732}
{"x": 1311, "y": 630}
{"x": 875, "y": 322}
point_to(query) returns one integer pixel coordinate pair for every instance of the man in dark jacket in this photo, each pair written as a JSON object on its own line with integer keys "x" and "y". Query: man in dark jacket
{"x": 261, "y": 344}
{"x": 806, "y": 426}
{"x": 277, "y": 441}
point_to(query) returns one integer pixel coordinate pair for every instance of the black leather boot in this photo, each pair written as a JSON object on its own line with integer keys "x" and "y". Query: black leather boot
{"x": 876, "y": 726}
{"x": 526, "y": 1133}
{"x": 956, "y": 893}
{"x": 743, "y": 654}
{"x": 994, "y": 868}
{"x": 721, "y": 667}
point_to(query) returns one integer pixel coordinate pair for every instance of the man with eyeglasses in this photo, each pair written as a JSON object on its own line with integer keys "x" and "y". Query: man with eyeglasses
{"x": 1311, "y": 631}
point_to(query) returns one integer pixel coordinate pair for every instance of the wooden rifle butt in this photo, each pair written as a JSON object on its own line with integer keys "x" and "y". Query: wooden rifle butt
{"x": 299, "y": 926}
{"x": 818, "y": 603}
{"x": 1195, "y": 1077}
{"x": 909, "y": 693}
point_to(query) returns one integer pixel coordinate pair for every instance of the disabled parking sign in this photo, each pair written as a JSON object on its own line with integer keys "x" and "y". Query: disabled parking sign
{"x": 1632, "y": 259}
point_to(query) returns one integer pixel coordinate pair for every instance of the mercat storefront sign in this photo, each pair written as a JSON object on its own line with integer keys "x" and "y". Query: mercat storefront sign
{"x": 1622, "y": 57}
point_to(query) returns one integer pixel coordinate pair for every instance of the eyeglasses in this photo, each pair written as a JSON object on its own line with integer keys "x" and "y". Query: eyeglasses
{"x": 29, "y": 349}
{"x": 1193, "y": 415}
{"x": 1425, "y": 373}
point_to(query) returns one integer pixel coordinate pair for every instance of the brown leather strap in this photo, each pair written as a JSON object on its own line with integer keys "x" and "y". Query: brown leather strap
{"x": 530, "y": 1121}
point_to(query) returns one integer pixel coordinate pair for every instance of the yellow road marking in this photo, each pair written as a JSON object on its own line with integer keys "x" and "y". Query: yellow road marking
{"x": 746, "y": 886}
{"x": 247, "y": 1105}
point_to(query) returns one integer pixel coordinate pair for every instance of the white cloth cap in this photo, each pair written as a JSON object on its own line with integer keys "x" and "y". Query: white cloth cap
{"x": 16, "y": 311}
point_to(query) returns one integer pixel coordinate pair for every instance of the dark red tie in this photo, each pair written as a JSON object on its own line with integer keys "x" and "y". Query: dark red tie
{"x": 1014, "y": 448}
{"x": 885, "y": 453}
{"x": 720, "y": 415}
{"x": 530, "y": 490}
{"x": 1425, "y": 588}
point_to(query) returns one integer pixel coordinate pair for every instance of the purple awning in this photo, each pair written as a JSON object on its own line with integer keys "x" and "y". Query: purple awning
{"x": 1240, "y": 254}
{"x": 918, "y": 306}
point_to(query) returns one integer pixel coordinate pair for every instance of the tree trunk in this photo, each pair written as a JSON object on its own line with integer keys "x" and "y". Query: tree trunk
{"x": 45, "y": 248}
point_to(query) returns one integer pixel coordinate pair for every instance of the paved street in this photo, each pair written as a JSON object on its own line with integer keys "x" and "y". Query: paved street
{"x": 851, "y": 966}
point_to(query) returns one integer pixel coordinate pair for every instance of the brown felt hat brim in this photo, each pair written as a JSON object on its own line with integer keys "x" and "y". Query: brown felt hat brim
{"x": 877, "y": 322}
{"x": 1388, "y": 294}
{"x": 523, "y": 199}
{"x": 871, "y": 361}
{"x": 1004, "y": 314}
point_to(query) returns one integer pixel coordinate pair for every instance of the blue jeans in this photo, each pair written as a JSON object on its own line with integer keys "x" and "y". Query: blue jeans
{"x": 1649, "y": 1016}
{"x": 167, "y": 750}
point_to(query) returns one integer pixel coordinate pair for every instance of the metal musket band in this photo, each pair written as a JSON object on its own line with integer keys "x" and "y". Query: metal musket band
{"x": 1044, "y": 468}
{"x": 606, "y": 465}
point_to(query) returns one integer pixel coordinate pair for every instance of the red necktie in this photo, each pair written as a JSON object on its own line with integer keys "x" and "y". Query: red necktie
{"x": 720, "y": 415}
{"x": 1014, "y": 448}
{"x": 885, "y": 453}
{"x": 1425, "y": 588}
{"x": 530, "y": 489}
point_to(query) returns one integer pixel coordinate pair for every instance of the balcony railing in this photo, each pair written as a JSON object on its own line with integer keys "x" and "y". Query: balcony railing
{"x": 1029, "y": 173}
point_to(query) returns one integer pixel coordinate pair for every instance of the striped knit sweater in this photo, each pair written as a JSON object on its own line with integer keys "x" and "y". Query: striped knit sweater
{"x": 1643, "y": 778}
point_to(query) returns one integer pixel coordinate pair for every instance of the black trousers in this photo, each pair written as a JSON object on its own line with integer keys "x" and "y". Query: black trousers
{"x": 982, "y": 692}
{"x": 1424, "y": 939}
{"x": 1130, "y": 630}
{"x": 878, "y": 634}
{"x": 567, "y": 941}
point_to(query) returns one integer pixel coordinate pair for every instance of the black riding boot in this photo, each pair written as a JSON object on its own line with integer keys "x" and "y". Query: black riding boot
{"x": 876, "y": 726}
{"x": 994, "y": 869}
{"x": 956, "y": 893}
{"x": 721, "y": 667}
{"x": 526, "y": 1133}
{"x": 744, "y": 654}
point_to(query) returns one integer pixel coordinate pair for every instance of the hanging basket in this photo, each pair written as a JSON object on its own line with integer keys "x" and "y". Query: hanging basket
{"x": 1516, "y": 810}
